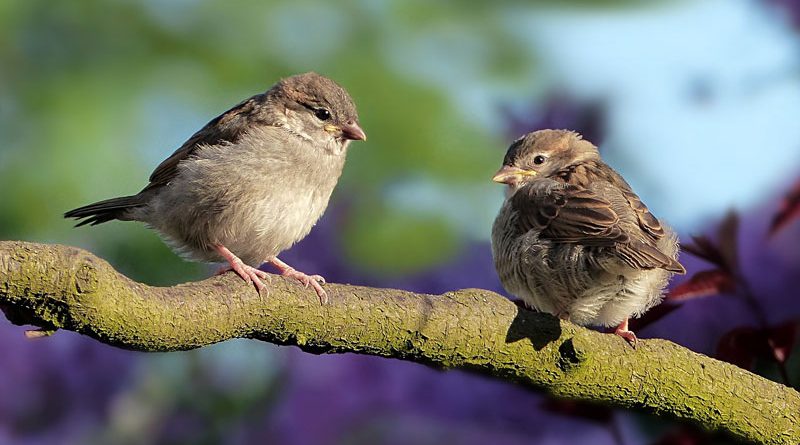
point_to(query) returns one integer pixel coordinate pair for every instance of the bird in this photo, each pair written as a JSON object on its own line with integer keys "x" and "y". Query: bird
{"x": 572, "y": 238}
{"x": 250, "y": 183}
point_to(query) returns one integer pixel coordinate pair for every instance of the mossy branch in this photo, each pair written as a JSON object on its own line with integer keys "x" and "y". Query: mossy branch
{"x": 60, "y": 287}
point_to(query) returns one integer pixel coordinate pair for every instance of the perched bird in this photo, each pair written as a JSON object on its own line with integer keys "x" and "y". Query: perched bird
{"x": 250, "y": 183}
{"x": 572, "y": 238}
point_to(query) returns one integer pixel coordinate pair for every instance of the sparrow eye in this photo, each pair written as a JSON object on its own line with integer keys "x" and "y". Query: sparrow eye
{"x": 322, "y": 114}
{"x": 538, "y": 160}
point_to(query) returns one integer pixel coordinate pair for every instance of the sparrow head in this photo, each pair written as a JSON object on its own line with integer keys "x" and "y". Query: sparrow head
{"x": 317, "y": 108}
{"x": 542, "y": 154}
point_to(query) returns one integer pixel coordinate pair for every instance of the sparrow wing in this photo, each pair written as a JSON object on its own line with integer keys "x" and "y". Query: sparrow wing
{"x": 227, "y": 127}
{"x": 647, "y": 221}
{"x": 567, "y": 213}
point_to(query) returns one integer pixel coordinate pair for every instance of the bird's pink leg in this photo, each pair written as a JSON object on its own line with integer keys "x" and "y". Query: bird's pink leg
{"x": 248, "y": 273}
{"x": 623, "y": 331}
{"x": 314, "y": 281}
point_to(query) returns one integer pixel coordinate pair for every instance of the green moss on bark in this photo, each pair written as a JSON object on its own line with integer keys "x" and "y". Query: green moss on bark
{"x": 59, "y": 287}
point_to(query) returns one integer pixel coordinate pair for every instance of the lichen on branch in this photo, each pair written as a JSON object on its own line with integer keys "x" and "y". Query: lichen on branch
{"x": 60, "y": 287}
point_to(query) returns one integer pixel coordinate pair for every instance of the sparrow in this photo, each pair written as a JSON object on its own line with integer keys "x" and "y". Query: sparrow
{"x": 249, "y": 184}
{"x": 573, "y": 240}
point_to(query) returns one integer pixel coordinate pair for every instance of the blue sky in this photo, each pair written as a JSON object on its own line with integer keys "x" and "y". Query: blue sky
{"x": 704, "y": 98}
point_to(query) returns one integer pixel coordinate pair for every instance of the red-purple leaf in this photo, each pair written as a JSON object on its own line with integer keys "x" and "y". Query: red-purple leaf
{"x": 703, "y": 284}
{"x": 705, "y": 249}
{"x": 724, "y": 253}
{"x": 727, "y": 233}
{"x": 790, "y": 209}
{"x": 781, "y": 340}
{"x": 741, "y": 346}
{"x": 685, "y": 435}
{"x": 571, "y": 408}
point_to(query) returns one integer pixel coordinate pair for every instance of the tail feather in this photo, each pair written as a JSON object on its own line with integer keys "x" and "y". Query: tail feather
{"x": 104, "y": 211}
{"x": 641, "y": 255}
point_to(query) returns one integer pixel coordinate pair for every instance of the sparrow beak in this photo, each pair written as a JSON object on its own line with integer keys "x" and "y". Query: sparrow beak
{"x": 348, "y": 131}
{"x": 353, "y": 132}
{"x": 511, "y": 175}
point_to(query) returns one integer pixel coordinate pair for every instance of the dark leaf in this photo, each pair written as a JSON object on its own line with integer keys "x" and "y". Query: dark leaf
{"x": 725, "y": 252}
{"x": 585, "y": 411}
{"x": 705, "y": 249}
{"x": 727, "y": 234}
{"x": 790, "y": 209}
{"x": 685, "y": 435}
{"x": 741, "y": 346}
{"x": 781, "y": 340}
{"x": 652, "y": 316}
{"x": 703, "y": 284}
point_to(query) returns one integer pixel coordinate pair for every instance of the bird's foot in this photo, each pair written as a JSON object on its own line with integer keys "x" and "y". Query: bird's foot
{"x": 623, "y": 331}
{"x": 249, "y": 274}
{"x": 315, "y": 281}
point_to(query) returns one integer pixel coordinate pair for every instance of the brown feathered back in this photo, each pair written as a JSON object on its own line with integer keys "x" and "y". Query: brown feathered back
{"x": 573, "y": 238}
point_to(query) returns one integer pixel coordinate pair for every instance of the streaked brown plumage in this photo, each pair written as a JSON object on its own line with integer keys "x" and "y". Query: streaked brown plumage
{"x": 251, "y": 182}
{"x": 573, "y": 239}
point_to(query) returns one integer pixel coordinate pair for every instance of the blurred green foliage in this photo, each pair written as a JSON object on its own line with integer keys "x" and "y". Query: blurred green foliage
{"x": 93, "y": 94}
{"x": 96, "y": 93}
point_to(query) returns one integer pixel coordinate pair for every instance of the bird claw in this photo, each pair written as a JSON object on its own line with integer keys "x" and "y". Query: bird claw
{"x": 629, "y": 336}
{"x": 623, "y": 331}
{"x": 315, "y": 281}
{"x": 250, "y": 274}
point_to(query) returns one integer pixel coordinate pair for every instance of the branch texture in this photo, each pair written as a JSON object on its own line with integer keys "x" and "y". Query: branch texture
{"x": 60, "y": 287}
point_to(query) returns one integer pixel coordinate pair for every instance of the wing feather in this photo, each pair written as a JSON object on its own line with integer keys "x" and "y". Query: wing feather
{"x": 571, "y": 214}
{"x": 227, "y": 127}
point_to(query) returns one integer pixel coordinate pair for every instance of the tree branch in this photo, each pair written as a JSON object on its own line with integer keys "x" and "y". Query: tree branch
{"x": 60, "y": 287}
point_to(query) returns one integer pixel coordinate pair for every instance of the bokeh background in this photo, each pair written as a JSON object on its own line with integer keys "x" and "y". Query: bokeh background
{"x": 695, "y": 102}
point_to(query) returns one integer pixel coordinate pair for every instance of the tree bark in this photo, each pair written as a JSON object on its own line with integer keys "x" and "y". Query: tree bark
{"x": 59, "y": 287}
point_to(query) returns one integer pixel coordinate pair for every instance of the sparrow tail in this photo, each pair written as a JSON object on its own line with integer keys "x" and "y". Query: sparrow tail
{"x": 104, "y": 211}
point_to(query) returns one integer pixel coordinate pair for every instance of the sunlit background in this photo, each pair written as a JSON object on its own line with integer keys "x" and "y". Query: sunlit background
{"x": 695, "y": 102}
